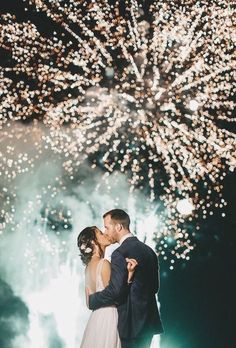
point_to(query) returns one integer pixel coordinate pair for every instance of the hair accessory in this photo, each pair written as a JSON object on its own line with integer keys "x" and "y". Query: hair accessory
{"x": 88, "y": 250}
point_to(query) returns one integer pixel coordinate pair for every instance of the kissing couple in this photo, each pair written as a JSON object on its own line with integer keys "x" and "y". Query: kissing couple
{"x": 121, "y": 294}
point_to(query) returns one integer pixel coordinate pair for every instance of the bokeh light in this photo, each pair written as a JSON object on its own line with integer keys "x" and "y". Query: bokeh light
{"x": 185, "y": 207}
{"x": 144, "y": 90}
{"x": 108, "y": 104}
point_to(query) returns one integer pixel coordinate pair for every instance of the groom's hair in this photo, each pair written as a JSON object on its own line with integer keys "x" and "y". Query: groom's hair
{"x": 119, "y": 216}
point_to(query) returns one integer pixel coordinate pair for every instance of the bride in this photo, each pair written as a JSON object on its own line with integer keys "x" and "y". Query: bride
{"x": 101, "y": 330}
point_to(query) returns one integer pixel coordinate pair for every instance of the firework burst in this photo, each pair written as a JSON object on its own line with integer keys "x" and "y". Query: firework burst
{"x": 145, "y": 88}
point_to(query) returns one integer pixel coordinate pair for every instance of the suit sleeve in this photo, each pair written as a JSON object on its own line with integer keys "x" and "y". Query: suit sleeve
{"x": 118, "y": 286}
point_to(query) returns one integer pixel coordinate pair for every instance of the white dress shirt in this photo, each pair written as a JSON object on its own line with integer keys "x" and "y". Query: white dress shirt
{"x": 128, "y": 235}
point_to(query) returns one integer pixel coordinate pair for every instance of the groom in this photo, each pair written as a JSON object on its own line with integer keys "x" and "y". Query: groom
{"x": 138, "y": 315}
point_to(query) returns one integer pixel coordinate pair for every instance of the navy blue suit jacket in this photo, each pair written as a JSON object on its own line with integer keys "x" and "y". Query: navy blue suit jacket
{"x": 138, "y": 314}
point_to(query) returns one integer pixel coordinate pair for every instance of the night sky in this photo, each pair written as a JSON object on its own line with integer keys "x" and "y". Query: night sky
{"x": 198, "y": 297}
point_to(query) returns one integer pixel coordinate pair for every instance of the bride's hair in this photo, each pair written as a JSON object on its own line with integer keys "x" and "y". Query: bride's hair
{"x": 86, "y": 242}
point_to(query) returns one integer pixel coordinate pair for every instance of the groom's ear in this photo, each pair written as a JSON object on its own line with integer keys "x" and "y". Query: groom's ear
{"x": 119, "y": 227}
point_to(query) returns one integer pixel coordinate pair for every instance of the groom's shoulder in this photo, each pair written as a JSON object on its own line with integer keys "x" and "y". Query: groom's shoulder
{"x": 133, "y": 243}
{"x": 139, "y": 245}
{"x": 130, "y": 243}
{"x": 117, "y": 254}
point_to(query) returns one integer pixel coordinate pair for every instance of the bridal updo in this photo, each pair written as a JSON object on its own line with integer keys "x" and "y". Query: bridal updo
{"x": 86, "y": 242}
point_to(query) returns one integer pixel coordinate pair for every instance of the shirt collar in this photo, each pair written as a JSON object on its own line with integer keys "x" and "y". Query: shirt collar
{"x": 128, "y": 235}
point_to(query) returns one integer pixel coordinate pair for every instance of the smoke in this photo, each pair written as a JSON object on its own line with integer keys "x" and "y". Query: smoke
{"x": 42, "y": 288}
{"x": 14, "y": 317}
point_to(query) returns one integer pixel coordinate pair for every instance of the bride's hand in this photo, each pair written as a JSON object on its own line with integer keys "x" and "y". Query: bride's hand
{"x": 131, "y": 265}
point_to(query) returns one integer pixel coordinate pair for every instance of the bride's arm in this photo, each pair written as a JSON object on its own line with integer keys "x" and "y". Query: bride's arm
{"x": 106, "y": 272}
{"x": 87, "y": 293}
{"x": 131, "y": 266}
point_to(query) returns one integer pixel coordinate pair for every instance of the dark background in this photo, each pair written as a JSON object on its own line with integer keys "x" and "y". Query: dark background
{"x": 198, "y": 297}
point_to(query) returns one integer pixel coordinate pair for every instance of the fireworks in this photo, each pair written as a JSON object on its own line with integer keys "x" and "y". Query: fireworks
{"x": 143, "y": 89}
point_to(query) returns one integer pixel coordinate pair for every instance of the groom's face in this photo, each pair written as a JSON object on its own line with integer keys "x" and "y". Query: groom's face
{"x": 110, "y": 229}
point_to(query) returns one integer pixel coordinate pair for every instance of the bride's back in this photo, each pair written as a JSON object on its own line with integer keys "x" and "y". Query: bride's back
{"x": 91, "y": 275}
{"x": 97, "y": 268}
{"x": 101, "y": 329}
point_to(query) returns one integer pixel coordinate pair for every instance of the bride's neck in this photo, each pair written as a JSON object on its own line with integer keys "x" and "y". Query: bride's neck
{"x": 98, "y": 252}
{"x": 97, "y": 255}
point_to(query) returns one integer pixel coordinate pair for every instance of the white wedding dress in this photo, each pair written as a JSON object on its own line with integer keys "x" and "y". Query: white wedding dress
{"x": 101, "y": 330}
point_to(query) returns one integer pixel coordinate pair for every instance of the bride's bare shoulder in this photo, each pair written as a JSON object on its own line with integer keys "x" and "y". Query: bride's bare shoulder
{"x": 106, "y": 263}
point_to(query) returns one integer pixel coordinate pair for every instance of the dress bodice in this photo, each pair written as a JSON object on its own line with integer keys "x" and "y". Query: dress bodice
{"x": 101, "y": 330}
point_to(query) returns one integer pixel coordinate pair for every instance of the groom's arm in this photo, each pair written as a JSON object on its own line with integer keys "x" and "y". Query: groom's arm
{"x": 118, "y": 285}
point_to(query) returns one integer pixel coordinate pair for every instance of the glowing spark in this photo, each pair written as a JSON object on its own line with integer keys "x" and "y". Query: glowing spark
{"x": 134, "y": 89}
{"x": 185, "y": 207}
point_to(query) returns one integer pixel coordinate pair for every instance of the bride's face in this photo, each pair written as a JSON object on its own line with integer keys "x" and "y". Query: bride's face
{"x": 102, "y": 239}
